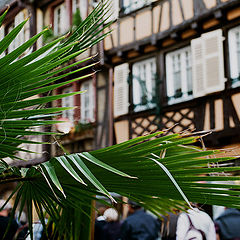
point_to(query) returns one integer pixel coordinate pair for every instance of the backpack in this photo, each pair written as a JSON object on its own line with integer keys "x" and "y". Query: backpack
{"x": 194, "y": 233}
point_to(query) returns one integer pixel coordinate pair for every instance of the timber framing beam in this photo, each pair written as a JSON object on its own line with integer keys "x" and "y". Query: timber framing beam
{"x": 174, "y": 32}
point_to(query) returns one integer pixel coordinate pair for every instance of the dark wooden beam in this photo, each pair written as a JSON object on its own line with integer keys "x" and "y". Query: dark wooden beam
{"x": 199, "y": 7}
{"x": 212, "y": 114}
{"x": 176, "y": 36}
{"x": 109, "y": 106}
{"x": 218, "y": 14}
{"x": 181, "y": 7}
{"x": 194, "y": 23}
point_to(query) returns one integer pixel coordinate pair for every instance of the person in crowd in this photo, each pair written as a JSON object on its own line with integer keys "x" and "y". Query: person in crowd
{"x": 112, "y": 227}
{"x": 195, "y": 224}
{"x": 228, "y": 225}
{"x": 139, "y": 225}
{"x": 4, "y": 220}
{"x": 22, "y": 231}
{"x": 169, "y": 226}
{"x": 99, "y": 224}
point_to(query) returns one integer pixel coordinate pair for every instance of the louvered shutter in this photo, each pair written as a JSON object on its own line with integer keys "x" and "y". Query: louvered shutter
{"x": 20, "y": 38}
{"x": 92, "y": 101}
{"x": 198, "y": 68}
{"x": 26, "y": 26}
{"x": 136, "y": 75}
{"x": 83, "y": 8}
{"x": 64, "y": 24}
{"x": 214, "y": 66}
{"x": 121, "y": 89}
{"x": 233, "y": 52}
{"x": 1, "y": 37}
{"x": 208, "y": 66}
{"x": 114, "y": 11}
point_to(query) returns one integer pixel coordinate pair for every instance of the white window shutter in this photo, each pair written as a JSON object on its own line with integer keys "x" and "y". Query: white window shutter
{"x": 114, "y": 13}
{"x": 169, "y": 75}
{"x": 214, "y": 66}
{"x": 136, "y": 84}
{"x": 26, "y": 26}
{"x": 64, "y": 23}
{"x": 83, "y": 8}
{"x": 115, "y": 9}
{"x": 17, "y": 39}
{"x": 1, "y": 37}
{"x": 20, "y": 38}
{"x": 198, "y": 68}
{"x": 233, "y": 52}
{"x": 121, "y": 89}
{"x": 92, "y": 102}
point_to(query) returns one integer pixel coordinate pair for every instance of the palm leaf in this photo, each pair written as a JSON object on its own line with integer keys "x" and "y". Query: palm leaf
{"x": 65, "y": 186}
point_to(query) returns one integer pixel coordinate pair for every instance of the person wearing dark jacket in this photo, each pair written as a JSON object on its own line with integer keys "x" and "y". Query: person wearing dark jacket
{"x": 4, "y": 221}
{"x": 99, "y": 224}
{"x": 228, "y": 224}
{"x": 112, "y": 228}
{"x": 169, "y": 226}
{"x": 139, "y": 225}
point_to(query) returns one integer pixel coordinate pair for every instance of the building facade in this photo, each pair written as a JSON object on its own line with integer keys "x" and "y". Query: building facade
{"x": 168, "y": 64}
{"x": 175, "y": 65}
{"x": 60, "y": 16}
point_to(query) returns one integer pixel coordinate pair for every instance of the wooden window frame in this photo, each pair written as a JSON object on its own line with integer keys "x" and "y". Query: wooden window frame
{"x": 149, "y": 84}
{"x": 69, "y": 114}
{"x": 91, "y": 107}
{"x": 61, "y": 29}
{"x": 183, "y": 72}
{"x": 233, "y": 59}
{"x": 139, "y": 5}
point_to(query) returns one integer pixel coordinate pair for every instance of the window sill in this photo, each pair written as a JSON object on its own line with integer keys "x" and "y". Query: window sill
{"x": 141, "y": 108}
{"x": 235, "y": 84}
{"x": 179, "y": 100}
{"x": 77, "y": 136}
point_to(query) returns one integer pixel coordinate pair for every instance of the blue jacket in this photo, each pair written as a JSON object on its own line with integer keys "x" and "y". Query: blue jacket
{"x": 229, "y": 224}
{"x": 140, "y": 226}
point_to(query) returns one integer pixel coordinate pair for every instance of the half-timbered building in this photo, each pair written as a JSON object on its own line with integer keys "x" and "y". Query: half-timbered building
{"x": 175, "y": 64}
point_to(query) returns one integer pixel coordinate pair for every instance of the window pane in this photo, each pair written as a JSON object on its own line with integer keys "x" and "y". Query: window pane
{"x": 68, "y": 102}
{"x": 238, "y": 50}
{"x": 132, "y": 5}
{"x": 189, "y": 72}
{"x": 144, "y": 77}
{"x": 177, "y": 75}
{"x": 87, "y": 102}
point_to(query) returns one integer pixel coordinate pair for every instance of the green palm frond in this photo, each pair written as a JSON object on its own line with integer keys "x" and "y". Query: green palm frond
{"x": 37, "y": 73}
{"x": 127, "y": 169}
{"x": 160, "y": 172}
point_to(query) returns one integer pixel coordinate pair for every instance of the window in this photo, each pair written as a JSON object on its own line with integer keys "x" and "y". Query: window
{"x": 13, "y": 44}
{"x": 75, "y": 5}
{"x": 144, "y": 84}
{"x": 1, "y": 37}
{"x": 82, "y": 6}
{"x": 234, "y": 55}
{"x": 111, "y": 15}
{"x": 132, "y": 5}
{"x": 179, "y": 75}
{"x": 23, "y": 35}
{"x": 197, "y": 70}
{"x": 121, "y": 89}
{"x": 60, "y": 23}
{"x": 68, "y": 102}
{"x": 87, "y": 102}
